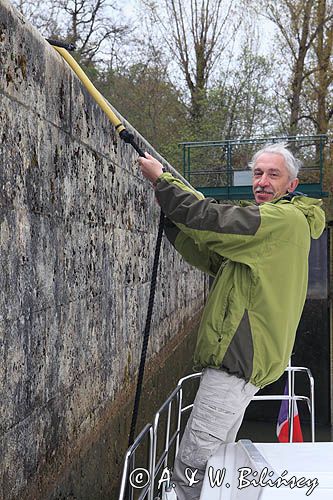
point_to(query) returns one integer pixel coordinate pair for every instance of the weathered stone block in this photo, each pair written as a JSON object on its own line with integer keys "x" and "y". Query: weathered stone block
{"x": 78, "y": 225}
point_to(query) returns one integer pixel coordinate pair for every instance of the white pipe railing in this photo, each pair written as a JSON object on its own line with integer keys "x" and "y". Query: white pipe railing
{"x": 151, "y": 431}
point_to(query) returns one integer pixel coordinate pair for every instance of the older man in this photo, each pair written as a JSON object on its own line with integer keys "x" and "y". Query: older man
{"x": 258, "y": 254}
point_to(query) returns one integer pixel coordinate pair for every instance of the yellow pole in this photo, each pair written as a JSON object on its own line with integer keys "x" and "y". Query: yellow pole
{"x": 91, "y": 88}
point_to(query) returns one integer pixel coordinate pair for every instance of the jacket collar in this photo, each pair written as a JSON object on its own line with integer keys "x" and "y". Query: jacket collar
{"x": 289, "y": 196}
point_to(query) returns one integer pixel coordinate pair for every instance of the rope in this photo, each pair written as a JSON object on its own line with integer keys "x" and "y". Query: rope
{"x": 146, "y": 331}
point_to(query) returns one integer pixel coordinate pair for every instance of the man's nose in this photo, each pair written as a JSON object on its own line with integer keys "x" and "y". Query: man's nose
{"x": 264, "y": 181}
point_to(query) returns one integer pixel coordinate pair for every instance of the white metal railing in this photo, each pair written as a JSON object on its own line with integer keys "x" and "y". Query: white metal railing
{"x": 126, "y": 491}
{"x": 140, "y": 483}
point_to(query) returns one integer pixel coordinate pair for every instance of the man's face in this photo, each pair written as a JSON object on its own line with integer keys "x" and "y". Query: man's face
{"x": 271, "y": 178}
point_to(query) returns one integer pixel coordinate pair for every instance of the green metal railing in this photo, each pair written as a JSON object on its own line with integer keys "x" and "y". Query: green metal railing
{"x": 221, "y": 168}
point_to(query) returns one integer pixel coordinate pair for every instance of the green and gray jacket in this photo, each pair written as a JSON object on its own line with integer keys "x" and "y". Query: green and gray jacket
{"x": 259, "y": 257}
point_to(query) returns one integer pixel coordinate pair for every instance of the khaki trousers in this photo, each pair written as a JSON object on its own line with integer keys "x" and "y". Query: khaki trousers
{"x": 217, "y": 414}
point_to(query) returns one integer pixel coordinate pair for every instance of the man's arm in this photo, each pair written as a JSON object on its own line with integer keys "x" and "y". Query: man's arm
{"x": 203, "y": 259}
{"x": 196, "y": 255}
{"x": 236, "y": 233}
{"x": 228, "y": 230}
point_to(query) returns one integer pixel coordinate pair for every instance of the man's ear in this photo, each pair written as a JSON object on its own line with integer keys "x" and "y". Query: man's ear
{"x": 293, "y": 185}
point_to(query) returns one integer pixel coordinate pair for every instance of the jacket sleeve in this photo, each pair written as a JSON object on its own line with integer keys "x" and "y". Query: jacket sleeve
{"x": 201, "y": 258}
{"x": 230, "y": 231}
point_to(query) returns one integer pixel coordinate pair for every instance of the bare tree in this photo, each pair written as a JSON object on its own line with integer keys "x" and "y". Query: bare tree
{"x": 305, "y": 32}
{"x": 43, "y": 14}
{"x": 197, "y": 33}
{"x": 323, "y": 76}
{"x": 90, "y": 24}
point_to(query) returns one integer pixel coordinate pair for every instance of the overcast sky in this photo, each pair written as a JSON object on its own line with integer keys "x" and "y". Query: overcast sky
{"x": 131, "y": 10}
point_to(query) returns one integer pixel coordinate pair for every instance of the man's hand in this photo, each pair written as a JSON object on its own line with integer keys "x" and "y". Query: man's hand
{"x": 150, "y": 167}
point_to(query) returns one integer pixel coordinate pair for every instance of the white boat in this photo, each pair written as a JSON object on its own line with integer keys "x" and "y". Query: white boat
{"x": 237, "y": 470}
{"x": 274, "y": 471}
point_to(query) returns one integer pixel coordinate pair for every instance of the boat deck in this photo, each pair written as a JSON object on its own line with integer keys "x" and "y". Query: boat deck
{"x": 270, "y": 470}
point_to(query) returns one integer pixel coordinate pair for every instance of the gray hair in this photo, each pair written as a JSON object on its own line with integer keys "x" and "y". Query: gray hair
{"x": 293, "y": 164}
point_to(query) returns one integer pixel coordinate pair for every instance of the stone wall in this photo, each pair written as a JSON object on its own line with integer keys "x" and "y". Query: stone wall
{"x": 78, "y": 230}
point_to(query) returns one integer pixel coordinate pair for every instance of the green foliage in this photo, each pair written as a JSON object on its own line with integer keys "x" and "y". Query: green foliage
{"x": 237, "y": 106}
{"x": 143, "y": 95}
